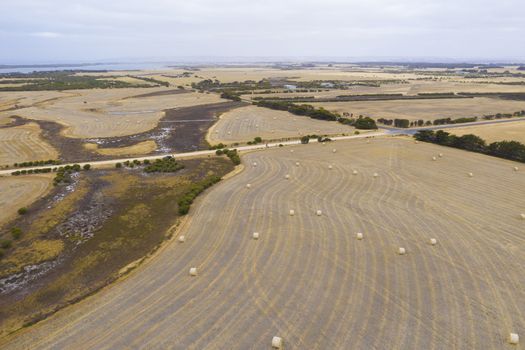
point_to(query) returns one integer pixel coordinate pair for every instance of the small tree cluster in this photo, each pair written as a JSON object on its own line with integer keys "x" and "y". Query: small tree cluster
{"x": 255, "y": 141}
{"x": 197, "y": 188}
{"x": 37, "y": 163}
{"x": 167, "y": 164}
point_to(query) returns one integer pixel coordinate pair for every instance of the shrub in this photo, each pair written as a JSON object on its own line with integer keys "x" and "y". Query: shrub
{"x": 165, "y": 165}
{"x": 6, "y": 243}
{"x": 305, "y": 139}
{"x": 87, "y": 166}
{"x": 2, "y": 253}
{"x": 257, "y": 140}
{"x": 16, "y": 232}
{"x": 118, "y": 165}
{"x": 22, "y": 211}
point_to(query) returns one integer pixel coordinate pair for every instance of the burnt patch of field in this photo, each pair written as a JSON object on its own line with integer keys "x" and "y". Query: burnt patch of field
{"x": 94, "y": 230}
{"x": 161, "y": 93}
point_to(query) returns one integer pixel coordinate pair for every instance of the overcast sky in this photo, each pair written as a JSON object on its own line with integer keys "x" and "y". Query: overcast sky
{"x": 73, "y": 30}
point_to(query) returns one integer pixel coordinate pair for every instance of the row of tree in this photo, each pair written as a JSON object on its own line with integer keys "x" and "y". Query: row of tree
{"x": 512, "y": 150}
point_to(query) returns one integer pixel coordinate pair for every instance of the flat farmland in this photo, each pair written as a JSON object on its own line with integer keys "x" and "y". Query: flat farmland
{"x": 307, "y": 278}
{"x": 111, "y": 112}
{"x": 243, "y": 124}
{"x": 514, "y": 131}
{"x": 18, "y": 192}
{"x": 429, "y": 109}
{"x": 24, "y": 143}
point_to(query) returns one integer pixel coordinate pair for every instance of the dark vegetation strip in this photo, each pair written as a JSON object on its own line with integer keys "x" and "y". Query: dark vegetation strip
{"x": 512, "y": 150}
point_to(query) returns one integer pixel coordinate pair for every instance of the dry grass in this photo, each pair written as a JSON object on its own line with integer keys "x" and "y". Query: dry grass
{"x": 23, "y": 143}
{"x": 426, "y": 109}
{"x": 21, "y": 191}
{"x": 243, "y": 124}
{"x": 514, "y": 131}
{"x": 36, "y": 252}
{"x": 144, "y": 147}
{"x": 307, "y": 279}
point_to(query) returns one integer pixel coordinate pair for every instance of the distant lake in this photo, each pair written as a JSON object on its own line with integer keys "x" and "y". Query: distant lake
{"x": 95, "y": 66}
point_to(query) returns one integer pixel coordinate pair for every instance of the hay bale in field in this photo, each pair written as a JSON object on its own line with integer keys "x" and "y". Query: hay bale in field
{"x": 255, "y": 235}
{"x": 516, "y": 168}
{"x": 334, "y": 150}
{"x": 359, "y": 235}
{"x": 522, "y": 216}
{"x": 229, "y": 132}
{"x": 291, "y": 151}
{"x": 434, "y": 158}
{"x": 182, "y": 239}
{"x": 254, "y": 164}
{"x": 297, "y": 164}
{"x": 248, "y": 185}
{"x": 354, "y": 172}
{"x": 402, "y": 251}
{"x": 193, "y": 271}
{"x": 514, "y": 338}
{"x": 292, "y": 212}
{"x": 376, "y": 174}
{"x": 330, "y": 167}
{"x": 440, "y": 155}
{"x": 287, "y": 176}
{"x": 319, "y": 213}
{"x": 433, "y": 241}
{"x": 470, "y": 175}
{"x": 277, "y": 342}
{"x": 416, "y": 142}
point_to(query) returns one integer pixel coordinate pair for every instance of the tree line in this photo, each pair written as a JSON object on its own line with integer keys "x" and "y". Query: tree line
{"x": 512, "y": 150}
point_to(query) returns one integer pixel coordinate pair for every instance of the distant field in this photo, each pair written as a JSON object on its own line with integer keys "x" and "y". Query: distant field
{"x": 23, "y": 143}
{"x": 106, "y": 113}
{"x": 426, "y": 109}
{"x": 496, "y": 132}
{"x": 243, "y": 124}
{"x": 17, "y": 192}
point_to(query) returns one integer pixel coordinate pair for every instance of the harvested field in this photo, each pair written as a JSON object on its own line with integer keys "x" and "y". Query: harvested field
{"x": 426, "y": 109}
{"x": 514, "y": 131}
{"x": 144, "y": 147}
{"x": 307, "y": 278}
{"x": 243, "y": 124}
{"x": 24, "y": 143}
{"x": 110, "y": 112}
{"x": 18, "y": 192}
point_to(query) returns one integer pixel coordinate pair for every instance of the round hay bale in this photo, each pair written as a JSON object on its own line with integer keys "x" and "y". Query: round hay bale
{"x": 274, "y": 118}
{"x": 287, "y": 176}
{"x": 297, "y": 164}
{"x": 330, "y": 167}
{"x": 334, "y": 150}
{"x": 470, "y": 175}
{"x": 291, "y": 151}
{"x": 433, "y": 241}
{"x": 354, "y": 172}
{"x": 514, "y": 338}
{"x": 416, "y": 142}
{"x": 402, "y": 251}
{"x": 193, "y": 271}
{"x": 255, "y": 235}
{"x": 376, "y": 174}
{"x": 229, "y": 132}
{"x": 359, "y": 235}
{"x": 182, "y": 239}
{"x": 248, "y": 185}
{"x": 277, "y": 342}
{"x": 254, "y": 164}
{"x": 319, "y": 213}
{"x": 522, "y": 216}
{"x": 292, "y": 212}
{"x": 516, "y": 168}
{"x": 434, "y": 158}
{"x": 440, "y": 155}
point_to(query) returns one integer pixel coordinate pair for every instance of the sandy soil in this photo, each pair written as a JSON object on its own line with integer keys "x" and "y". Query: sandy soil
{"x": 243, "y": 124}
{"x": 24, "y": 143}
{"x": 18, "y": 192}
{"x": 498, "y": 132}
{"x": 110, "y": 112}
{"x": 426, "y": 109}
{"x": 307, "y": 279}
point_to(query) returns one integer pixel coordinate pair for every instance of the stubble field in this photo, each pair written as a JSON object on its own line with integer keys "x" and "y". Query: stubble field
{"x": 307, "y": 278}
{"x": 24, "y": 143}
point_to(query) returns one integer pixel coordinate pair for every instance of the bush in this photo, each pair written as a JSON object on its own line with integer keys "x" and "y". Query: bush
{"x": 305, "y": 140}
{"x": 118, "y": 165}
{"x": 87, "y": 167}
{"x": 2, "y": 253}
{"x": 257, "y": 140}
{"x": 6, "y": 243}
{"x": 16, "y": 232}
{"x": 22, "y": 211}
{"x": 165, "y": 165}
{"x": 187, "y": 199}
